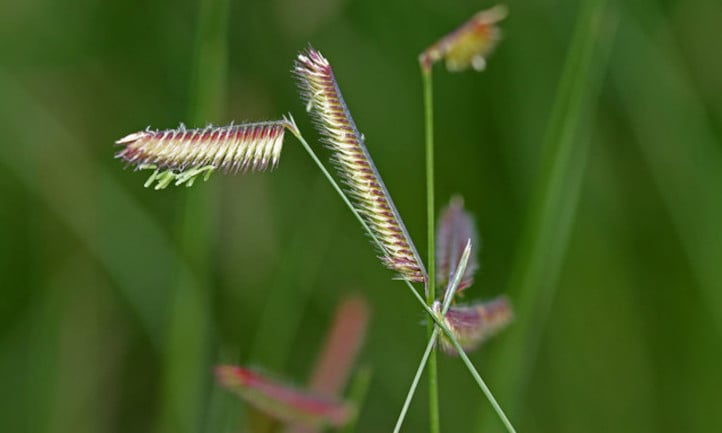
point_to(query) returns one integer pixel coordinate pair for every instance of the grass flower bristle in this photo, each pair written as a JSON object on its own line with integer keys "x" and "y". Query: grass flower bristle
{"x": 281, "y": 401}
{"x": 455, "y": 229}
{"x": 473, "y": 324}
{"x": 181, "y": 155}
{"x": 469, "y": 45}
{"x": 354, "y": 164}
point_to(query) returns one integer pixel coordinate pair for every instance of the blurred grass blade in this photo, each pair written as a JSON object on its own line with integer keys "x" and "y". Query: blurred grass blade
{"x": 338, "y": 356}
{"x": 357, "y": 396}
{"x": 223, "y": 411}
{"x": 679, "y": 144}
{"x": 553, "y": 207}
{"x": 186, "y": 365}
{"x": 343, "y": 343}
{"x": 122, "y": 232}
{"x": 294, "y": 281}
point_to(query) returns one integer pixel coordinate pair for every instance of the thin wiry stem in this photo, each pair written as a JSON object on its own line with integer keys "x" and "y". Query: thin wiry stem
{"x": 417, "y": 377}
{"x": 357, "y": 396}
{"x": 432, "y": 340}
{"x": 467, "y": 362}
{"x": 434, "y": 423}
{"x": 414, "y": 292}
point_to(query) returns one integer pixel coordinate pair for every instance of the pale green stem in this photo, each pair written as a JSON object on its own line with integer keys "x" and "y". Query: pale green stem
{"x": 434, "y": 334}
{"x": 417, "y": 377}
{"x": 427, "y": 308}
{"x": 434, "y": 423}
{"x": 467, "y": 362}
{"x": 189, "y": 320}
{"x": 359, "y": 388}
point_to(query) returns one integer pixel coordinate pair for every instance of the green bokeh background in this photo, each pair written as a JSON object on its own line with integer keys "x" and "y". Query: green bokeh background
{"x": 116, "y": 301}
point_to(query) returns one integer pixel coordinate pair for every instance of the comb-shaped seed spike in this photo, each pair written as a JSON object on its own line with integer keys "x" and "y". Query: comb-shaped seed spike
{"x": 354, "y": 164}
{"x": 468, "y": 45}
{"x": 455, "y": 228}
{"x": 180, "y": 155}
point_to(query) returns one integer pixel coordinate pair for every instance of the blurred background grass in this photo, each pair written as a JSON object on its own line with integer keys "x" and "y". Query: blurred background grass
{"x": 116, "y": 300}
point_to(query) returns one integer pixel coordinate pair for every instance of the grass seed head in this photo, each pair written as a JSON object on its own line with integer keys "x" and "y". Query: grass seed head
{"x": 473, "y": 324}
{"x": 455, "y": 228}
{"x": 181, "y": 155}
{"x": 354, "y": 164}
{"x": 469, "y": 45}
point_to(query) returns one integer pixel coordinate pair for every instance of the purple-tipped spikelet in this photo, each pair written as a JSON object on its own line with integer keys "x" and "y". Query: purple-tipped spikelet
{"x": 455, "y": 229}
{"x": 182, "y": 154}
{"x": 468, "y": 45}
{"x": 475, "y": 323}
{"x": 324, "y": 100}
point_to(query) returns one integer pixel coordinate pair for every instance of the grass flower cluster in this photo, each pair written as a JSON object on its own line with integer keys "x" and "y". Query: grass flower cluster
{"x": 179, "y": 156}
{"x": 355, "y": 166}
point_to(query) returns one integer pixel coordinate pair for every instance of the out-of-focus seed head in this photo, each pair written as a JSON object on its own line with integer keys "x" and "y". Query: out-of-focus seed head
{"x": 281, "y": 401}
{"x": 469, "y": 45}
{"x": 181, "y": 155}
{"x": 473, "y": 324}
{"x": 354, "y": 164}
{"x": 455, "y": 229}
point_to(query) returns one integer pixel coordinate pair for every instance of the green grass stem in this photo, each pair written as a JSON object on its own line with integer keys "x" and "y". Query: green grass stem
{"x": 188, "y": 342}
{"x": 534, "y": 278}
{"x": 357, "y": 396}
{"x": 434, "y": 334}
{"x": 415, "y": 382}
{"x": 434, "y": 422}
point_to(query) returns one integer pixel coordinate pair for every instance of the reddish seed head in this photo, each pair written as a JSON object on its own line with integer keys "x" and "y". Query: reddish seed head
{"x": 473, "y": 324}
{"x": 455, "y": 228}
{"x": 231, "y": 376}
{"x": 183, "y": 153}
{"x": 281, "y": 401}
{"x": 355, "y": 166}
{"x": 469, "y": 45}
